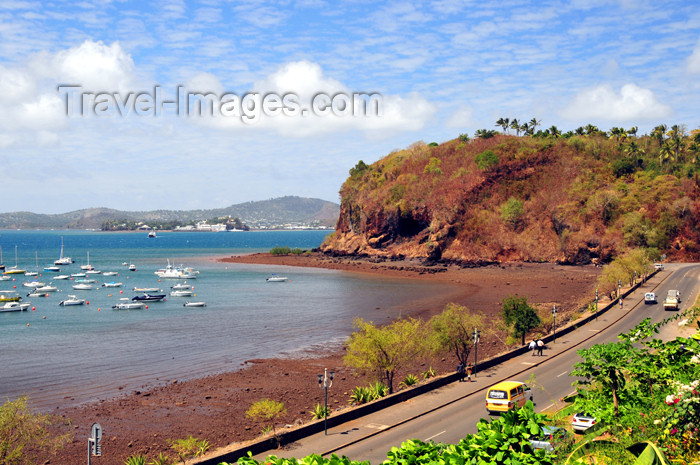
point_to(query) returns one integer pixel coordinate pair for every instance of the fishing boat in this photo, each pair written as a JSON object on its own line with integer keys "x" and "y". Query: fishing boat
{"x": 181, "y": 293}
{"x": 9, "y": 296}
{"x": 126, "y": 305}
{"x": 276, "y": 279}
{"x": 149, "y": 297}
{"x": 112, "y": 284}
{"x": 15, "y": 269}
{"x": 147, "y": 290}
{"x": 61, "y": 259}
{"x": 194, "y": 304}
{"x": 82, "y": 287}
{"x": 72, "y": 300}
{"x": 14, "y": 306}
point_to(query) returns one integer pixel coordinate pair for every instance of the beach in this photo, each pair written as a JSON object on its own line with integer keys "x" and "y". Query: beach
{"x": 213, "y": 407}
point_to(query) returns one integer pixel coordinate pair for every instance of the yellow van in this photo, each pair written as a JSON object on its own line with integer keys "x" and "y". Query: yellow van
{"x": 506, "y": 395}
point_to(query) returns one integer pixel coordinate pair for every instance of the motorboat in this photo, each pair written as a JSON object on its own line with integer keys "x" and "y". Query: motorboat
{"x": 62, "y": 276}
{"x": 72, "y": 300}
{"x": 37, "y": 294}
{"x": 194, "y": 304}
{"x": 152, "y": 233}
{"x": 86, "y": 281}
{"x": 147, "y": 290}
{"x": 14, "y": 306}
{"x": 61, "y": 259}
{"x": 82, "y": 287}
{"x": 31, "y": 273}
{"x": 132, "y": 267}
{"x": 175, "y": 272}
{"x": 181, "y": 293}
{"x": 5, "y": 278}
{"x": 126, "y": 305}
{"x": 47, "y": 288}
{"x": 180, "y": 287}
{"x": 276, "y": 279}
{"x": 33, "y": 284}
{"x": 110, "y": 273}
{"x": 93, "y": 271}
{"x": 52, "y": 269}
{"x": 78, "y": 275}
{"x": 9, "y": 296}
{"x": 149, "y": 297}
{"x": 112, "y": 284}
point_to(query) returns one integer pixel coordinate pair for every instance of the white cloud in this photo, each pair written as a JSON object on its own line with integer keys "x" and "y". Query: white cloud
{"x": 692, "y": 64}
{"x": 632, "y": 103}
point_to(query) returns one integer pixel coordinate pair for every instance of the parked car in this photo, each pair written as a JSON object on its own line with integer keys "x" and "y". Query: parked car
{"x": 550, "y": 438}
{"x": 658, "y": 266}
{"x": 582, "y": 421}
{"x": 650, "y": 298}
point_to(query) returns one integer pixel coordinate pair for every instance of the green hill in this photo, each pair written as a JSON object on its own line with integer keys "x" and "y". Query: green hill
{"x": 574, "y": 198}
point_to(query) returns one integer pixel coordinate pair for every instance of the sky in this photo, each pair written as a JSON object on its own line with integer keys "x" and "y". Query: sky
{"x": 98, "y": 99}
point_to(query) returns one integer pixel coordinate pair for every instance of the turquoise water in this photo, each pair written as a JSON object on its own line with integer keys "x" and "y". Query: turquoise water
{"x": 69, "y": 355}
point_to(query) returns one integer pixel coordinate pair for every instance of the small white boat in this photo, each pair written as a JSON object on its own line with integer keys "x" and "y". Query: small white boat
{"x": 14, "y": 306}
{"x": 146, "y": 289}
{"x": 132, "y": 267}
{"x": 47, "y": 288}
{"x": 5, "y": 278}
{"x": 93, "y": 271}
{"x": 110, "y": 273}
{"x": 87, "y": 267}
{"x": 31, "y": 273}
{"x": 72, "y": 300}
{"x": 177, "y": 272}
{"x": 61, "y": 259}
{"x": 152, "y": 233}
{"x": 62, "y": 276}
{"x": 37, "y": 294}
{"x": 52, "y": 269}
{"x": 126, "y": 305}
{"x": 85, "y": 281}
{"x": 112, "y": 284}
{"x": 82, "y": 287}
{"x": 78, "y": 275}
{"x": 181, "y": 293}
{"x": 180, "y": 287}
{"x": 276, "y": 279}
{"x": 194, "y": 304}
{"x": 33, "y": 284}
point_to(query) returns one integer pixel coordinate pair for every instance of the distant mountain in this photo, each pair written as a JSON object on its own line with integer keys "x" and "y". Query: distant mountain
{"x": 273, "y": 213}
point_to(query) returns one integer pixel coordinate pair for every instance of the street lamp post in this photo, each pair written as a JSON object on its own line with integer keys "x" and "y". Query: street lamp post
{"x": 554, "y": 325}
{"x": 325, "y": 381}
{"x": 596, "y": 304}
{"x": 475, "y": 338}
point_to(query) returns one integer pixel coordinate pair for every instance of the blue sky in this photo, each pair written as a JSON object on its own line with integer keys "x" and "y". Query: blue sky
{"x": 442, "y": 68}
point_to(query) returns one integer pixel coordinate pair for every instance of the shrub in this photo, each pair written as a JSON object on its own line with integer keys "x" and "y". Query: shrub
{"x": 320, "y": 411}
{"x": 512, "y": 212}
{"x": 486, "y": 160}
{"x": 429, "y": 373}
{"x": 409, "y": 380}
{"x": 280, "y": 250}
{"x": 189, "y": 447}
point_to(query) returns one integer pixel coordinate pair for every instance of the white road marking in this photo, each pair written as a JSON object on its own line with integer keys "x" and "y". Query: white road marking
{"x": 527, "y": 363}
{"x": 594, "y": 330}
{"x": 376, "y": 426}
{"x": 565, "y": 373}
{"x": 434, "y": 436}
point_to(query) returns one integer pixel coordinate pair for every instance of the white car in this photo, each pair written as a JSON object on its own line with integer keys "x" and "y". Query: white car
{"x": 650, "y": 298}
{"x": 582, "y": 421}
{"x": 658, "y": 266}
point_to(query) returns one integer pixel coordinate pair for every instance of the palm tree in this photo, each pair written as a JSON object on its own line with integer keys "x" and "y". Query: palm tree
{"x": 659, "y": 134}
{"x": 554, "y": 131}
{"x": 515, "y": 124}
{"x": 580, "y": 131}
{"x": 591, "y": 129}
{"x": 504, "y": 123}
{"x": 666, "y": 153}
{"x": 526, "y": 129}
{"x": 617, "y": 133}
{"x": 534, "y": 122}
{"x": 631, "y": 149}
{"x": 633, "y": 131}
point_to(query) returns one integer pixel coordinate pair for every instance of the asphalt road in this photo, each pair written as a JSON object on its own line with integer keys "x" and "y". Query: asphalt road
{"x": 448, "y": 414}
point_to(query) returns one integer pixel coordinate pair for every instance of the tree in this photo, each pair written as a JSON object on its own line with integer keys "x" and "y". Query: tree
{"x": 515, "y": 124}
{"x": 659, "y": 133}
{"x": 266, "y": 410}
{"x": 21, "y": 428}
{"x": 383, "y": 351}
{"x": 534, "y": 122}
{"x": 520, "y": 316}
{"x": 604, "y": 365}
{"x": 452, "y": 330}
{"x": 504, "y": 123}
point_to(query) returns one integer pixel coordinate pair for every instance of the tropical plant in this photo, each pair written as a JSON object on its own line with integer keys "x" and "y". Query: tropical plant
{"x": 464, "y": 137}
{"x": 137, "y": 459}
{"x": 189, "y": 447}
{"x": 25, "y": 435}
{"x": 429, "y": 373}
{"x": 320, "y": 411}
{"x": 486, "y": 159}
{"x": 267, "y": 410}
{"x": 360, "y": 395}
{"x": 162, "y": 459}
{"x": 409, "y": 380}
{"x": 504, "y": 123}
{"x": 383, "y": 351}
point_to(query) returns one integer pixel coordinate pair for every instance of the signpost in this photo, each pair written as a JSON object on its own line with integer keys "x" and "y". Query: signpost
{"x": 95, "y": 441}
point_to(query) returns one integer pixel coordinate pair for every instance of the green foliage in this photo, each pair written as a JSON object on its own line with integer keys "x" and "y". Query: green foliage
{"x": 189, "y": 447}
{"x": 429, "y": 373}
{"x": 362, "y": 395}
{"x": 464, "y": 137}
{"x": 285, "y": 251}
{"x": 266, "y": 410}
{"x": 137, "y": 459}
{"x": 162, "y": 459}
{"x": 519, "y": 316}
{"x": 486, "y": 160}
{"x": 433, "y": 144}
{"x": 451, "y": 330}
{"x": 433, "y": 166}
{"x": 358, "y": 169}
{"x": 512, "y": 212}
{"x": 320, "y": 411}
{"x": 409, "y": 380}
{"x": 382, "y": 351}
{"x": 21, "y": 429}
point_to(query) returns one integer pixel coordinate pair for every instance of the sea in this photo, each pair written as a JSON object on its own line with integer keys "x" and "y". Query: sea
{"x": 67, "y": 356}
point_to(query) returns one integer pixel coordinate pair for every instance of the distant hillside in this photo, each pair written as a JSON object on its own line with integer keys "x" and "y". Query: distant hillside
{"x": 273, "y": 213}
{"x": 574, "y": 199}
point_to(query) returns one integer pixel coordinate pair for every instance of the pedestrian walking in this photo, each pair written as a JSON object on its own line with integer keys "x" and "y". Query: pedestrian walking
{"x": 460, "y": 371}
{"x": 620, "y": 302}
{"x": 532, "y": 347}
{"x": 469, "y": 372}
{"x": 540, "y": 347}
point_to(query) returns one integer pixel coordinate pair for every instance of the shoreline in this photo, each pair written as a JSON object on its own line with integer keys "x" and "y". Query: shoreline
{"x": 213, "y": 407}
